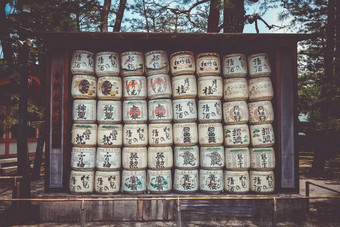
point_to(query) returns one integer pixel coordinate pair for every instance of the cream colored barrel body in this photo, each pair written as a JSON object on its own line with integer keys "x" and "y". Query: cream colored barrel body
{"x": 186, "y": 181}
{"x": 184, "y": 110}
{"x": 108, "y": 158}
{"x": 261, "y": 112}
{"x": 84, "y": 135}
{"x": 235, "y": 89}
{"x": 160, "y": 158}
{"x": 262, "y": 182}
{"x": 209, "y": 111}
{"x": 81, "y": 182}
{"x": 109, "y": 87}
{"x": 107, "y": 64}
{"x": 185, "y": 134}
{"x": 156, "y": 62}
{"x": 235, "y": 112}
{"x": 212, "y": 158}
{"x": 262, "y": 135}
{"x": 160, "y": 134}
{"x": 83, "y": 158}
{"x": 211, "y": 181}
{"x": 134, "y": 181}
{"x": 210, "y": 134}
{"x": 235, "y": 65}
{"x": 84, "y": 111}
{"x": 262, "y": 159}
{"x": 107, "y": 182}
{"x": 82, "y": 62}
{"x": 186, "y": 157}
{"x": 237, "y": 159}
{"x": 135, "y": 158}
{"x": 132, "y": 63}
{"x": 159, "y": 181}
{"x": 135, "y": 111}
{"x": 159, "y": 86}
{"x": 134, "y": 87}
{"x": 184, "y": 86}
{"x": 208, "y": 64}
{"x": 260, "y": 89}
{"x": 135, "y": 135}
{"x": 84, "y": 87}
{"x": 259, "y": 65}
{"x": 182, "y": 62}
{"x": 110, "y": 135}
{"x": 236, "y": 135}
{"x": 210, "y": 87}
{"x": 236, "y": 182}
{"x": 109, "y": 112}
{"x": 160, "y": 111}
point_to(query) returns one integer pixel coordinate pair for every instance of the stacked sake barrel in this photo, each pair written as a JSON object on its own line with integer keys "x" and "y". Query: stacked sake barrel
{"x": 160, "y": 155}
{"x": 184, "y": 92}
{"x": 210, "y": 129}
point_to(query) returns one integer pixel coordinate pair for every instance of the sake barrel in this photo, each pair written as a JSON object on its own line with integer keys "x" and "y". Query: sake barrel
{"x": 234, "y": 65}
{"x": 160, "y": 158}
{"x": 262, "y": 135}
{"x": 160, "y": 134}
{"x": 236, "y": 181}
{"x": 159, "y": 86}
{"x": 109, "y": 87}
{"x": 185, "y": 134}
{"x": 210, "y": 134}
{"x": 107, "y": 64}
{"x": 209, "y": 110}
{"x": 109, "y": 112}
{"x": 82, "y": 62}
{"x": 160, "y": 111}
{"x": 182, "y": 62}
{"x": 134, "y": 87}
{"x": 211, "y": 181}
{"x": 110, "y": 135}
{"x": 159, "y": 181}
{"x": 108, "y": 158}
{"x": 84, "y": 135}
{"x": 262, "y": 159}
{"x": 83, "y": 158}
{"x": 107, "y": 182}
{"x": 84, "y": 111}
{"x": 186, "y": 157}
{"x": 81, "y": 182}
{"x": 236, "y": 135}
{"x": 235, "y": 89}
{"x": 184, "y": 110}
{"x": 212, "y": 158}
{"x": 259, "y": 65}
{"x": 135, "y": 135}
{"x": 210, "y": 87}
{"x": 237, "y": 159}
{"x": 262, "y": 182}
{"x": 135, "y": 158}
{"x": 184, "y": 87}
{"x": 134, "y": 181}
{"x": 132, "y": 63}
{"x": 135, "y": 111}
{"x": 261, "y": 112}
{"x": 260, "y": 89}
{"x": 235, "y": 112}
{"x": 83, "y": 87}
{"x": 156, "y": 62}
{"x": 208, "y": 64}
{"x": 186, "y": 181}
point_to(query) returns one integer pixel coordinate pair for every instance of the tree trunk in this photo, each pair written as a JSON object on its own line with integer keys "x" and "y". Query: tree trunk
{"x": 38, "y": 154}
{"x": 233, "y": 16}
{"x": 318, "y": 165}
{"x": 119, "y": 16}
{"x": 146, "y": 17}
{"x": 214, "y": 16}
{"x": 330, "y": 42}
{"x": 104, "y": 17}
{"x": 337, "y": 44}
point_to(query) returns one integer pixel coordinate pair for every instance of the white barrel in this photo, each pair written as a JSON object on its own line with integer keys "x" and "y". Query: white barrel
{"x": 84, "y": 111}
{"x": 184, "y": 86}
{"x": 235, "y": 112}
{"x": 159, "y": 86}
{"x": 211, "y": 181}
{"x": 132, "y": 63}
{"x": 159, "y": 181}
{"x": 134, "y": 181}
{"x": 261, "y": 112}
{"x": 107, "y": 182}
{"x": 186, "y": 157}
{"x": 236, "y": 135}
{"x": 109, "y": 112}
{"x": 212, "y": 157}
{"x": 235, "y": 89}
{"x": 81, "y": 182}
{"x": 237, "y": 159}
{"x": 182, "y": 62}
{"x": 84, "y": 135}
{"x": 210, "y": 87}
{"x": 262, "y": 181}
{"x": 186, "y": 181}
{"x": 160, "y": 158}
{"x": 135, "y": 135}
{"x": 210, "y": 134}
{"x": 82, "y": 62}
{"x": 160, "y": 134}
{"x": 208, "y": 64}
{"x": 160, "y": 111}
{"x": 236, "y": 181}
{"x": 259, "y": 65}
{"x": 83, "y": 87}
{"x": 156, "y": 62}
{"x": 185, "y": 134}
{"x": 262, "y": 159}
{"x": 110, "y": 135}
{"x": 184, "y": 110}
{"x": 107, "y": 64}
{"x": 209, "y": 111}
{"x": 135, "y": 158}
{"x": 83, "y": 158}
{"x": 262, "y": 135}
{"x": 134, "y": 87}
{"x": 108, "y": 158}
{"x": 135, "y": 111}
{"x": 109, "y": 87}
{"x": 235, "y": 65}
{"x": 260, "y": 89}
